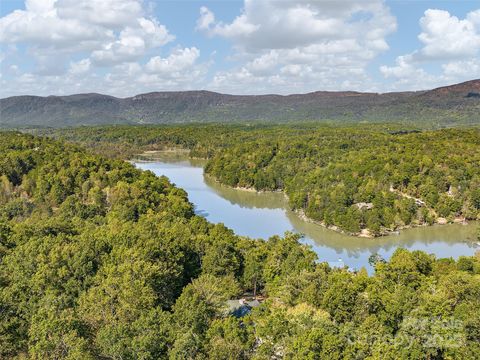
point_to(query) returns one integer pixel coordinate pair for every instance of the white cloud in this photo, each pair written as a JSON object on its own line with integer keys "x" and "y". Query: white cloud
{"x": 293, "y": 78}
{"x": 295, "y": 70}
{"x": 133, "y": 42}
{"x": 264, "y": 64}
{"x": 118, "y": 47}
{"x": 445, "y": 36}
{"x": 403, "y": 68}
{"x": 408, "y": 76}
{"x": 178, "y": 60}
{"x": 179, "y": 70}
{"x": 445, "y": 39}
{"x": 271, "y": 24}
{"x": 69, "y": 40}
{"x": 112, "y": 14}
{"x": 463, "y": 69}
{"x": 239, "y": 27}
{"x": 114, "y": 30}
{"x": 474, "y": 18}
{"x": 206, "y": 19}
{"x": 80, "y": 67}
{"x": 40, "y": 25}
{"x": 316, "y": 40}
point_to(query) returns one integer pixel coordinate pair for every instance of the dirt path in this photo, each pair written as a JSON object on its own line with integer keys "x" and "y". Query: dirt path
{"x": 418, "y": 201}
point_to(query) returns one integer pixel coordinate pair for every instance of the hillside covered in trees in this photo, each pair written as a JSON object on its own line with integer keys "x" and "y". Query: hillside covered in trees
{"x": 453, "y": 105}
{"x": 99, "y": 260}
{"x": 366, "y": 180}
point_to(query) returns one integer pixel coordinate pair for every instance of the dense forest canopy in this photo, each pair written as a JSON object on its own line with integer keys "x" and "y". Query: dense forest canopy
{"x": 99, "y": 260}
{"x": 366, "y": 180}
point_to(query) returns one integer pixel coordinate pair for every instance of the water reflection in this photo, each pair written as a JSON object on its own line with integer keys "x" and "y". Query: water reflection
{"x": 247, "y": 199}
{"x": 261, "y": 215}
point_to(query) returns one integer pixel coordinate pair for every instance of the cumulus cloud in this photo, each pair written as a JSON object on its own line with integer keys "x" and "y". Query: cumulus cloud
{"x": 264, "y": 64}
{"x": 112, "y": 14}
{"x": 178, "y": 60}
{"x": 41, "y": 25}
{"x": 310, "y": 40}
{"x": 77, "y": 44}
{"x": 403, "y": 68}
{"x": 179, "y": 70}
{"x": 133, "y": 42}
{"x": 463, "y": 69}
{"x": 445, "y": 39}
{"x": 119, "y": 47}
{"x": 408, "y": 76}
{"x": 206, "y": 19}
{"x": 114, "y": 30}
{"x": 80, "y": 67}
{"x": 270, "y": 24}
{"x": 445, "y": 36}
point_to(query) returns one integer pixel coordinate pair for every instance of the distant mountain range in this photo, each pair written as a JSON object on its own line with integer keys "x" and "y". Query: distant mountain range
{"x": 450, "y": 105}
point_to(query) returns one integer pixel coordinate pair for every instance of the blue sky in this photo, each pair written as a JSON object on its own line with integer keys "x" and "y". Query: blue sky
{"x": 127, "y": 47}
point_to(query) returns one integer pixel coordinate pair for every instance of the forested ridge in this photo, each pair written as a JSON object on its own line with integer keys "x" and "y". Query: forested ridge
{"x": 99, "y": 260}
{"x": 367, "y": 180}
{"x": 453, "y": 105}
{"x": 355, "y": 179}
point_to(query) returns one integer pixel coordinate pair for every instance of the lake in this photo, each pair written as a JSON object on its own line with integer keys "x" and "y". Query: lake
{"x": 261, "y": 215}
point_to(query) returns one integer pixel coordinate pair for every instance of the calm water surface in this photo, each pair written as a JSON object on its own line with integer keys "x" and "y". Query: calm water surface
{"x": 261, "y": 215}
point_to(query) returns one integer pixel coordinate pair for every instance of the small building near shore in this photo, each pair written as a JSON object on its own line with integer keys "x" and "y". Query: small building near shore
{"x": 364, "y": 206}
{"x": 241, "y": 307}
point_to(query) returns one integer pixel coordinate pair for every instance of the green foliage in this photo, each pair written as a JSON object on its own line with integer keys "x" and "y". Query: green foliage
{"x": 375, "y": 178}
{"x": 358, "y": 179}
{"x": 447, "y": 106}
{"x": 99, "y": 260}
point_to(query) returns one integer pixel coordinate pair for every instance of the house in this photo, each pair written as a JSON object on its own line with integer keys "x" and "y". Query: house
{"x": 241, "y": 307}
{"x": 364, "y": 206}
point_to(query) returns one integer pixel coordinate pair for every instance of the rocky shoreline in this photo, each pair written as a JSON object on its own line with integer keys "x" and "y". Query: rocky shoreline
{"x": 364, "y": 233}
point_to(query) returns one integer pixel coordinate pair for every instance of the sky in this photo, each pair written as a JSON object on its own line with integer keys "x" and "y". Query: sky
{"x": 128, "y": 47}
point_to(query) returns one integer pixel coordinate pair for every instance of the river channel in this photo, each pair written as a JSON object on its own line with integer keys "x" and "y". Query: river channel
{"x": 261, "y": 215}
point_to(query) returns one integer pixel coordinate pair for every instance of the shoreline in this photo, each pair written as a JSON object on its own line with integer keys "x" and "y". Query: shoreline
{"x": 364, "y": 233}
